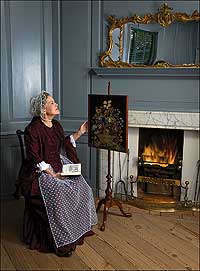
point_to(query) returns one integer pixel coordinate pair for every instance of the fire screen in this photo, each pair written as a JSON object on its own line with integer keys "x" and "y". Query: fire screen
{"x": 108, "y": 122}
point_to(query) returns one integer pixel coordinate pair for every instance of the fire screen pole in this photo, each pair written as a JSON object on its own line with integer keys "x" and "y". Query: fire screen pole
{"x": 108, "y": 201}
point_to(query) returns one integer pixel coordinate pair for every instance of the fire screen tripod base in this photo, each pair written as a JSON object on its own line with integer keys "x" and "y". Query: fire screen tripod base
{"x": 108, "y": 201}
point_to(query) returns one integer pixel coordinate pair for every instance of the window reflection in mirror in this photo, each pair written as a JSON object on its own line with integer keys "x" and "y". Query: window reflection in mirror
{"x": 142, "y": 46}
{"x": 148, "y": 44}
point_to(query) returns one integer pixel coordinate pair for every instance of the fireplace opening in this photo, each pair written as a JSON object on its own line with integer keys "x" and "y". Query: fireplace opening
{"x": 160, "y": 157}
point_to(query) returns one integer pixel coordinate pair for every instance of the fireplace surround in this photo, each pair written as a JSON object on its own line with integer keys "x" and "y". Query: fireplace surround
{"x": 184, "y": 123}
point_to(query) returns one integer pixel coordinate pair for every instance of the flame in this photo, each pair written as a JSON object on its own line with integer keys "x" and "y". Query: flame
{"x": 160, "y": 155}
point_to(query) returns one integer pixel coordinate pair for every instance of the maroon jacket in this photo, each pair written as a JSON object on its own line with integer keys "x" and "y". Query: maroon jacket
{"x": 43, "y": 144}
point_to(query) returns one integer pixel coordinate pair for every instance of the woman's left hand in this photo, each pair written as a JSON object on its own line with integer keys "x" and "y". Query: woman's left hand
{"x": 83, "y": 128}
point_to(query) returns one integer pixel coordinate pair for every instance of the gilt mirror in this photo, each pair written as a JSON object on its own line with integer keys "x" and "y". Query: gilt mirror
{"x": 164, "y": 39}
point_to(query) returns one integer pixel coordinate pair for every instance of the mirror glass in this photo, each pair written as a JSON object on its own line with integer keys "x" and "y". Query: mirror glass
{"x": 172, "y": 41}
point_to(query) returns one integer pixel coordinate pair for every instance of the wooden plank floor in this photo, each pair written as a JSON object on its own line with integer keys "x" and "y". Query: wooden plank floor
{"x": 149, "y": 240}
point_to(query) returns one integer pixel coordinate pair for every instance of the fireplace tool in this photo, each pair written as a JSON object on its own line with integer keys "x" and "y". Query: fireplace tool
{"x": 132, "y": 181}
{"x": 197, "y": 186}
{"x": 122, "y": 182}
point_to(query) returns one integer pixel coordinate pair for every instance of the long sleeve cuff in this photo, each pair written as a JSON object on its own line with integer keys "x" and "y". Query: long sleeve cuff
{"x": 72, "y": 141}
{"x": 43, "y": 166}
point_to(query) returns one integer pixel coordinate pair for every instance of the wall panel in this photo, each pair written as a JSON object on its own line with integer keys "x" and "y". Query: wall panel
{"x": 10, "y": 164}
{"x": 74, "y": 52}
{"x": 75, "y": 58}
{"x": 26, "y": 68}
{"x": 27, "y": 58}
{"x": 25, "y": 55}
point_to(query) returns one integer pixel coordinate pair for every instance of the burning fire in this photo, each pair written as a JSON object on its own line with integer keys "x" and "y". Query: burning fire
{"x": 162, "y": 155}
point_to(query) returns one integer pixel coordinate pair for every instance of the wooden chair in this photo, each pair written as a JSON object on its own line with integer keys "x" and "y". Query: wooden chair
{"x": 20, "y": 135}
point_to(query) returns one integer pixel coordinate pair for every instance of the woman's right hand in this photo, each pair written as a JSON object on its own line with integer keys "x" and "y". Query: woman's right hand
{"x": 55, "y": 175}
{"x": 81, "y": 130}
{"x": 59, "y": 176}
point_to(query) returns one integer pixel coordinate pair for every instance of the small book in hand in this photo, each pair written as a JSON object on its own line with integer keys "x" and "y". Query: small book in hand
{"x": 71, "y": 169}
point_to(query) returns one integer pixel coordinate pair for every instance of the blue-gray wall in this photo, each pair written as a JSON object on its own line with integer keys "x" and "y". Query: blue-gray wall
{"x": 53, "y": 45}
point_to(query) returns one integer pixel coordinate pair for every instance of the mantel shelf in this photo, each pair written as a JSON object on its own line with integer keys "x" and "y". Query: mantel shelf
{"x": 146, "y": 72}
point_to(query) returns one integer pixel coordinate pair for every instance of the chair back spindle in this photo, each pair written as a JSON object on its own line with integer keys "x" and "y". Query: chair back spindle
{"x": 20, "y": 135}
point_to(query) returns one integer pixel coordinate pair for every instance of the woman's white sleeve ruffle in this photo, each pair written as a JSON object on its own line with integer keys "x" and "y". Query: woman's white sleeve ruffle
{"x": 72, "y": 141}
{"x": 43, "y": 165}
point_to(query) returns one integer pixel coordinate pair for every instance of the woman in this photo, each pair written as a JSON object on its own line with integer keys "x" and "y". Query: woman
{"x": 59, "y": 212}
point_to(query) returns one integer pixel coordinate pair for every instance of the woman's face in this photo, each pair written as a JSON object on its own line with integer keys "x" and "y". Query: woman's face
{"x": 51, "y": 107}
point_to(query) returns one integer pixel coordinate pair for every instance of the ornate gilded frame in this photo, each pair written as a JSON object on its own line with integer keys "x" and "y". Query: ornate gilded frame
{"x": 164, "y": 17}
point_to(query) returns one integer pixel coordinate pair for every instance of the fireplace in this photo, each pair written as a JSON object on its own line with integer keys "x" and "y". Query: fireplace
{"x": 160, "y": 156}
{"x": 166, "y": 176}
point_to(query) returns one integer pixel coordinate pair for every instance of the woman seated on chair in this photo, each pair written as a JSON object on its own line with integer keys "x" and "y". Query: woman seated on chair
{"x": 59, "y": 212}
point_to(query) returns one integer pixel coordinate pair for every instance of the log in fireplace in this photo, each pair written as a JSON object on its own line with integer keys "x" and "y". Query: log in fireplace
{"x": 160, "y": 156}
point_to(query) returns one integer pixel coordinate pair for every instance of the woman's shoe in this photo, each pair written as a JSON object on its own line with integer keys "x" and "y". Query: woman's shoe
{"x": 67, "y": 254}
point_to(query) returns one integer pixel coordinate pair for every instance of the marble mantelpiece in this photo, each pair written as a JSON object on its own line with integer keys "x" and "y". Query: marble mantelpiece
{"x": 168, "y": 120}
